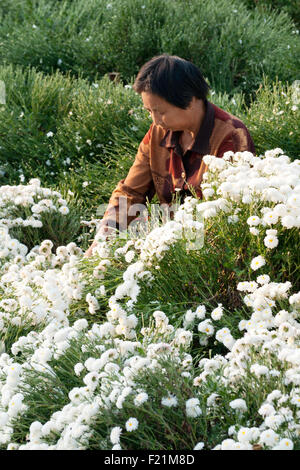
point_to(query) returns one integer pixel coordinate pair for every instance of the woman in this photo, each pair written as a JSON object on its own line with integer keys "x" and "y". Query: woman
{"x": 186, "y": 126}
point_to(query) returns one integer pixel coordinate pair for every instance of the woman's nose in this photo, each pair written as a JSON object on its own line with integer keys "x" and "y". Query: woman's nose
{"x": 156, "y": 119}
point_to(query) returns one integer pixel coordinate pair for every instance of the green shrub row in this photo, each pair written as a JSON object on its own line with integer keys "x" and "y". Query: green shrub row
{"x": 232, "y": 44}
{"x": 290, "y": 6}
{"x": 48, "y": 123}
{"x": 274, "y": 118}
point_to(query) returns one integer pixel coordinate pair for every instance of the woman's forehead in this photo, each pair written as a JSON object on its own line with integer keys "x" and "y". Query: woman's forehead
{"x": 153, "y": 102}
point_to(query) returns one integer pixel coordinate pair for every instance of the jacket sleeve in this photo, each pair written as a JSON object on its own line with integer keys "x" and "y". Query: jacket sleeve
{"x": 130, "y": 193}
{"x": 239, "y": 140}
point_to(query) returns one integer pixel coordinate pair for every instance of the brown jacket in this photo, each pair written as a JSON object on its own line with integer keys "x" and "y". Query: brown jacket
{"x": 160, "y": 167}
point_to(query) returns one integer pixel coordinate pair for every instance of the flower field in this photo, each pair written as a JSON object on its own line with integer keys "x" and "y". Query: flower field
{"x": 182, "y": 333}
{"x": 112, "y": 352}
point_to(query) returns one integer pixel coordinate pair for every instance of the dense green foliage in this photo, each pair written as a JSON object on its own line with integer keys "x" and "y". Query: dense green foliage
{"x": 70, "y": 118}
{"x": 290, "y": 6}
{"x": 234, "y": 46}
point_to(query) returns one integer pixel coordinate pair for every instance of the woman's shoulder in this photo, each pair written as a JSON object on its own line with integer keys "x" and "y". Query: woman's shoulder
{"x": 155, "y": 134}
{"x": 226, "y": 118}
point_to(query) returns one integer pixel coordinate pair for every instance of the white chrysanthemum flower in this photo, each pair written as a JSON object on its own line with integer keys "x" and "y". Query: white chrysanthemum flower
{"x": 295, "y": 299}
{"x": 140, "y": 398}
{"x": 289, "y": 221}
{"x": 245, "y": 435}
{"x": 200, "y": 312}
{"x": 242, "y": 325}
{"x": 286, "y": 330}
{"x": 208, "y": 192}
{"x": 197, "y": 381}
{"x": 131, "y": 424}
{"x": 189, "y": 318}
{"x": 259, "y": 370}
{"x": 257, "y": 262}
{"x": 242, "y": 286}
{"x": 272, "y": 232}
{"x": 217, "y": 313}
{"x": 263, "y": 279}
{"x": 192, "y": 408}
{"x": 206, "y": 327}
{"x": 115, "y": 435}
{"x": 296, "y": 400}
{"x": 169, "y": 401}
{"x": 129, "y": 256}
{"x": 160, "y": 317}
{"x": 64, "y": 210}
{"x": 281, "y": 317}
{"x": 270, "y": 218}
{"x": 183, "y": 337}
{"x": 238, "y": 404}
{"x": 211, "y": 400}
{"x": 274, "y": 421}
{"x": 220, "y": 334}
{"x": 254, "y": 220}
{"x": 93, "y": 303}
{"x": 270, "y": 241}
{"x": 227, "y": 444}
{"x": 15, "y": 404}
{"x": 80, "y": 324}
{"x": 78, "y": 368}
{"x": 284, "y": 444}
{"x": 266, "y": 410}
{"x": 228, "y": 155}
{"x": 275, "y": 395}
{"x": 13, "y": 446}
{"x": 228, "y": 341}
{"x": 199, "y": 446}
{"x": 269, "y": 437}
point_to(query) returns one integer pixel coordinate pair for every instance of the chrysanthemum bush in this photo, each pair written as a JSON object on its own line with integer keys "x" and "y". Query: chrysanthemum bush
{"x": 158, "y": 342}
{"x": 273, "y": 118}
{"x": 33, "y": 213}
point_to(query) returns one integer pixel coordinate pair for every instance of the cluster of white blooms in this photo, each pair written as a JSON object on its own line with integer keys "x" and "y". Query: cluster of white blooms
{"x": 40, "y": 286}
{"x": 269, "y": 349}
{"x": 10, "y": 248}
{"x": 107, "y": 382}
{"x": 245, "y": 178}
{"x": 186, "y": 225}
{"x": 159, "y": 240}
{"x": 30, "y": 201}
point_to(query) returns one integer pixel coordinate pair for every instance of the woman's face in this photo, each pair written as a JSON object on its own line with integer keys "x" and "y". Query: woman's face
{"x": 166, "y": 115}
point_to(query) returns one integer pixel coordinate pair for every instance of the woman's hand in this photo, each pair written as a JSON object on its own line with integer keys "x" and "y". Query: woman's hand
{"x": 103, "y": 235}
{"x": 89, "y": 251}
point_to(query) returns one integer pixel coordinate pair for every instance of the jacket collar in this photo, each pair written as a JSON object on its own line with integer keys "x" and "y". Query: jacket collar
{"x": 201, "y": 144}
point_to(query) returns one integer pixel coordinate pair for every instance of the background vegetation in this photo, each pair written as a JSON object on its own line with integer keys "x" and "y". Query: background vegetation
{"x": 69, "y": 117}
{"x": 67, "y": 122}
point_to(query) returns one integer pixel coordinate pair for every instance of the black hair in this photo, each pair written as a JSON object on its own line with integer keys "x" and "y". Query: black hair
{"x": 172, "y": 78}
